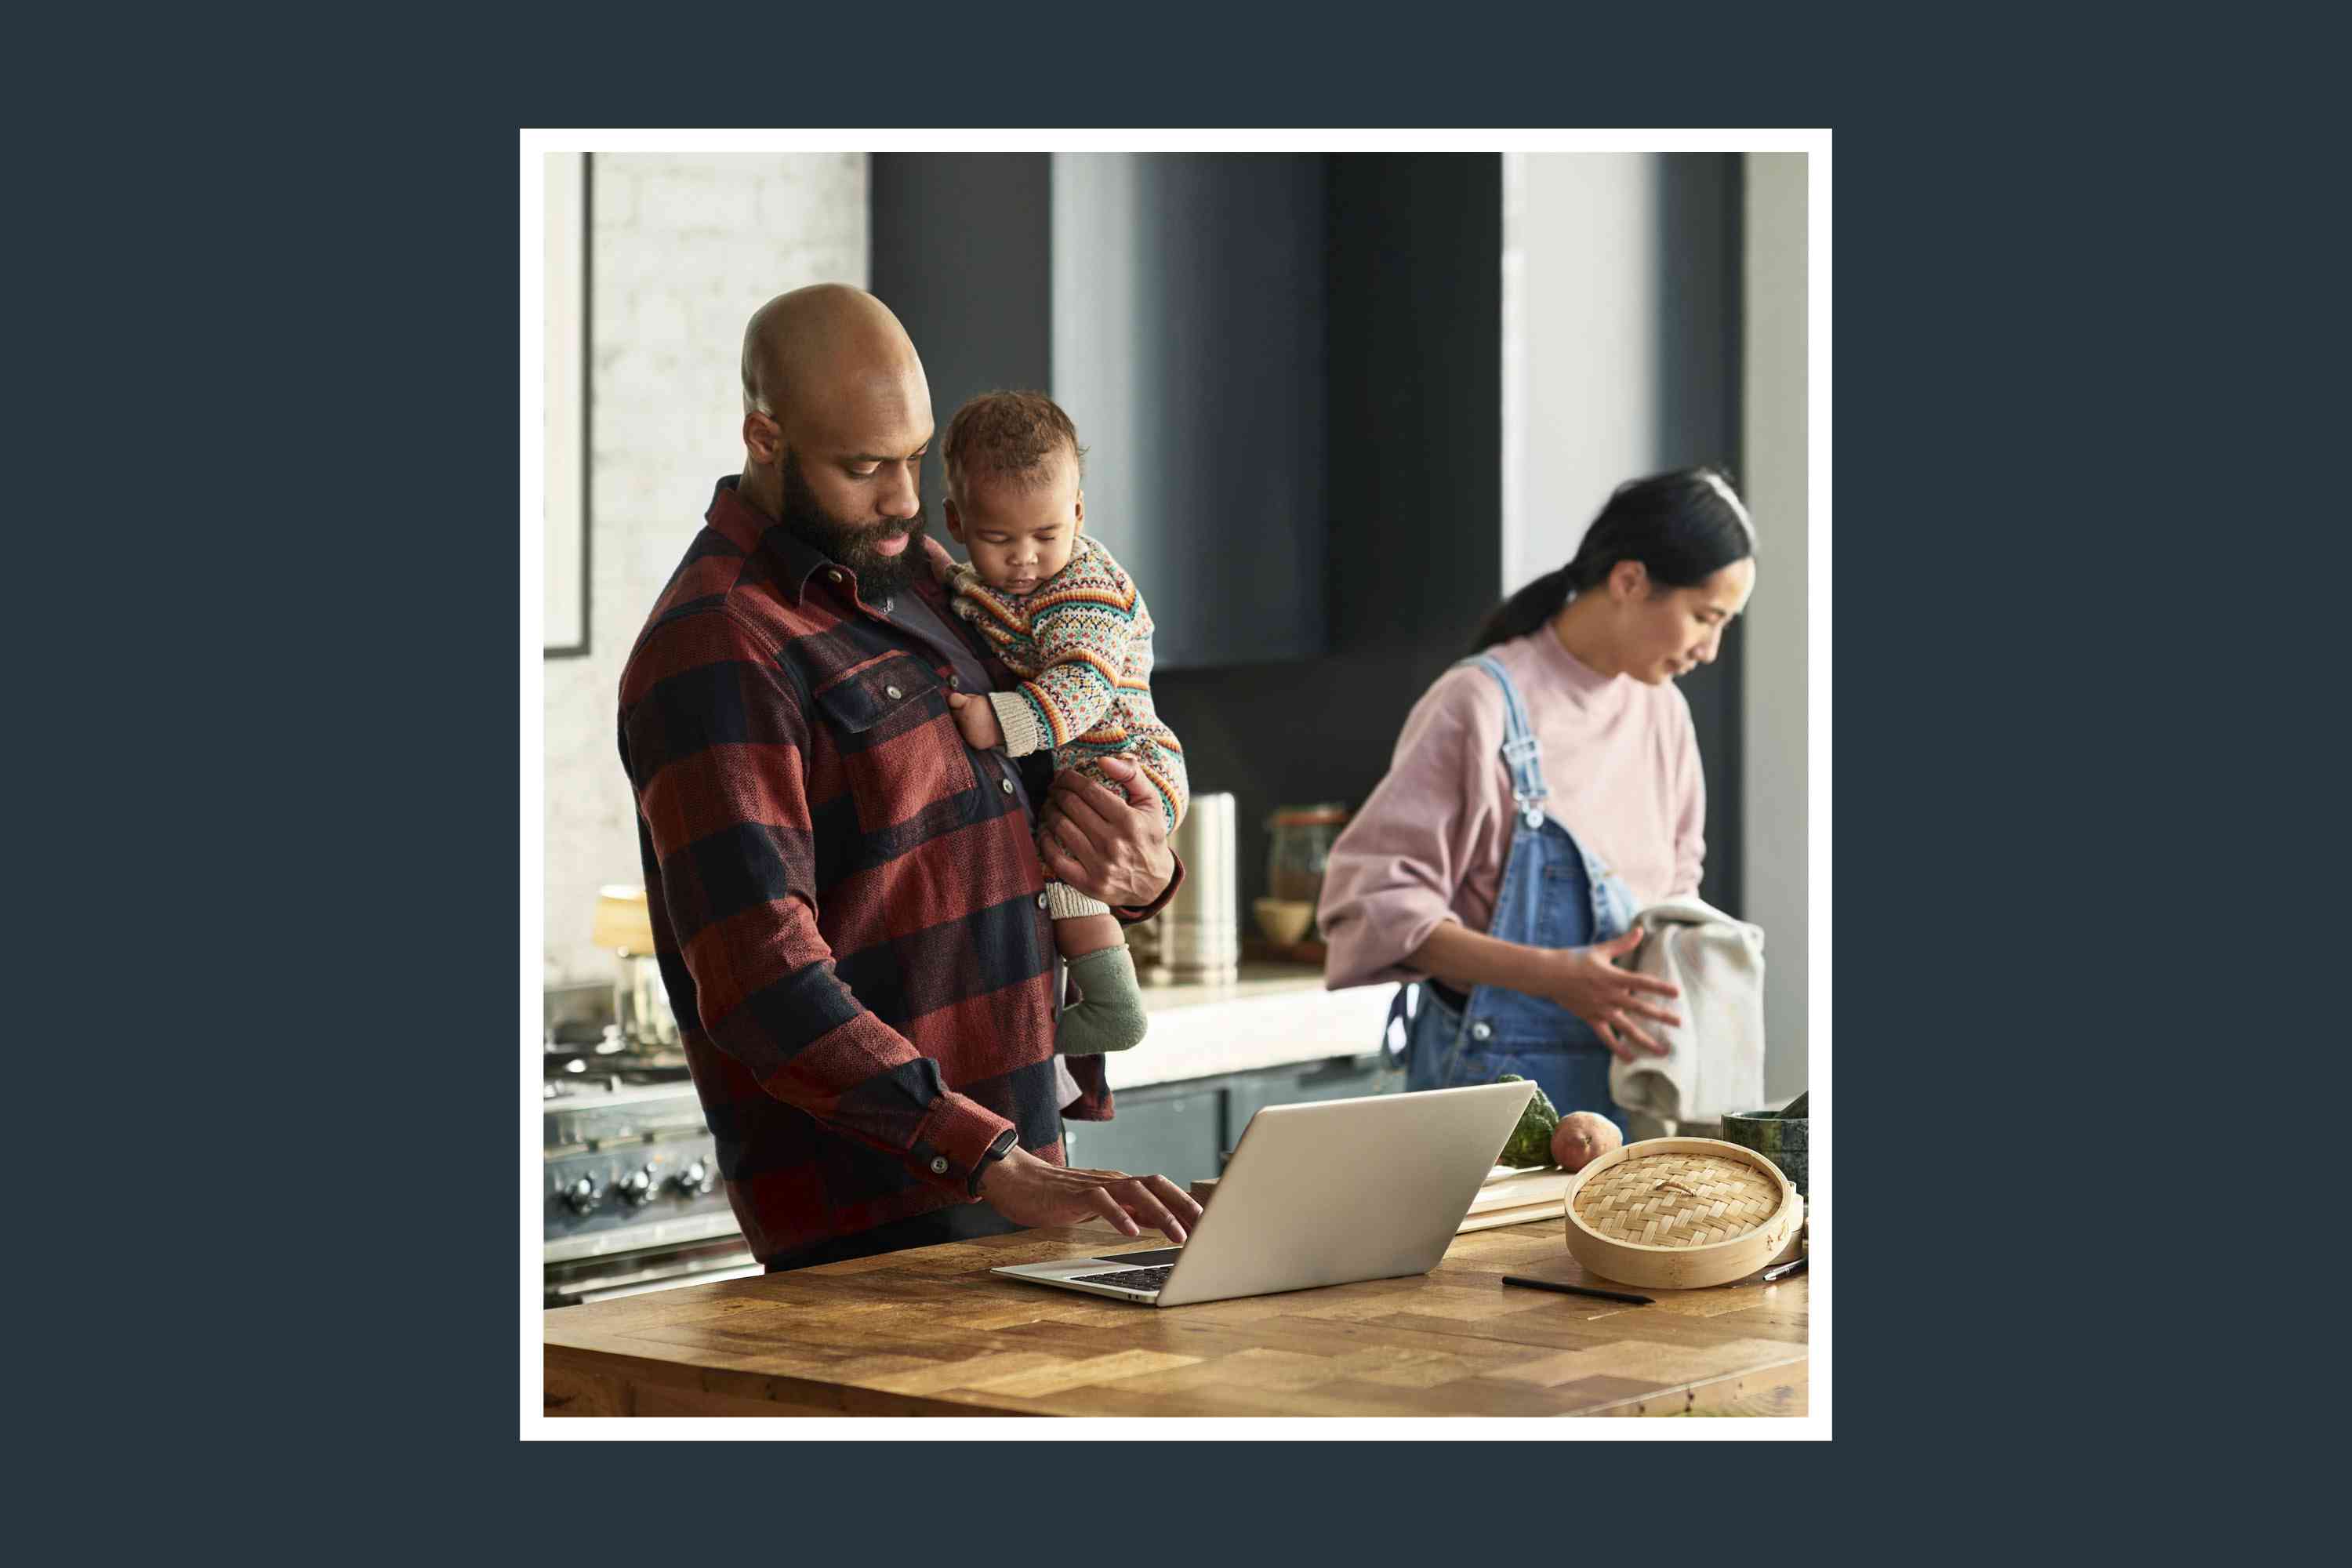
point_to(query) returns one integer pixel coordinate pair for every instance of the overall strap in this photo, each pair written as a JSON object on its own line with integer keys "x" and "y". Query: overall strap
{"x": 1522, "y": 752}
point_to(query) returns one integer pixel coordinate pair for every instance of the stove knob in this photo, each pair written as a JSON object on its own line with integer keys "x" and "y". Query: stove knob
{"x": 694, "y": 1180}
{"x": 580, "y": 1194}
{"x": 638, "y": 1187}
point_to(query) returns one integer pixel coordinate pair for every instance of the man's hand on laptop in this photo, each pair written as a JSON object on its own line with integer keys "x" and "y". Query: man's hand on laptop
{"x": 1029, "y": 1191}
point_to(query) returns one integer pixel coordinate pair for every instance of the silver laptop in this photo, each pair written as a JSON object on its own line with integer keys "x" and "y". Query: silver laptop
{"x": 1323, "y": 1193}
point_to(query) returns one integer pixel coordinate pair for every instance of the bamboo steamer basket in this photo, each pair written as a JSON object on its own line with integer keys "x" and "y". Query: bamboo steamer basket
{"x": 1680, "y": 1213}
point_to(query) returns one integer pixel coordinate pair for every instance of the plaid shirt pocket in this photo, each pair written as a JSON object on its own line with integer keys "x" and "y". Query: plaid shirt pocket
{"x": 904, "y": 759}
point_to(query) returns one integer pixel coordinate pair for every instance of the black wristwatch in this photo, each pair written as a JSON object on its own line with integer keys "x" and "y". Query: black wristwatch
{"x": 1004, "y": 1143}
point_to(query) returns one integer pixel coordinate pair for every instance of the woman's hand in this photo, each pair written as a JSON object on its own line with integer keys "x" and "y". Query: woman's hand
{"x": 1030, "y": 1190}
{"x": 1588, "y": 983}
{"x": 1107, "y": 847}
{"x": 976, "y": 717}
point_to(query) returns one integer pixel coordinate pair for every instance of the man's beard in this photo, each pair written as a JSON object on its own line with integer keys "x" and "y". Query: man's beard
{"x": 851, "y": 544}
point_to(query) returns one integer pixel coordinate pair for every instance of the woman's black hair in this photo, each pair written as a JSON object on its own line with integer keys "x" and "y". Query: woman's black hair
{"x": 1683, "y": 527}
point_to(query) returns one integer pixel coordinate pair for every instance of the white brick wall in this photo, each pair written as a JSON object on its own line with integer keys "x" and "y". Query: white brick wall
{"x": 685, "y": 246}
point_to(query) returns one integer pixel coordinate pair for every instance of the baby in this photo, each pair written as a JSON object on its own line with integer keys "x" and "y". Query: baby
{"x": 1065, "y": 618}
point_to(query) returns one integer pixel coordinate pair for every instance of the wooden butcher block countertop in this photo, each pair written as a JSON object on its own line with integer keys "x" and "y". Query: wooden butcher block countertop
{"x": 929, "y": 1332}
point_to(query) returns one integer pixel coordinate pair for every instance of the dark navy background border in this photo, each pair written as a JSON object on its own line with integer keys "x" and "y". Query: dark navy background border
{"x": 402, "y": 694}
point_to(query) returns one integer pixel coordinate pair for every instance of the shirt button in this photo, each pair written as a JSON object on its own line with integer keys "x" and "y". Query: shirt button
{"x": 1006, "y": 786}
{"x": 886, "y": 604}
{"x": 953, "y": 680}
{"x": 835, "y": 576}
{"x": 891, "y": 692}
{"x": 1481, "y": 1031}
{"x": 939, "y": 1166}
{"x": 1041, "y": 901}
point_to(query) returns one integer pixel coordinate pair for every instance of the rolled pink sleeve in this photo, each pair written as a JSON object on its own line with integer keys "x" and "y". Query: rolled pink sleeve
{"x": 1398, "y": 867}
{"x": 1690, "y": 819}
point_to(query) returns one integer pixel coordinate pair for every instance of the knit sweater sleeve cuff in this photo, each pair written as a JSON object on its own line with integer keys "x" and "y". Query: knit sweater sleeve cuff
{"x": 1016, "y": 715}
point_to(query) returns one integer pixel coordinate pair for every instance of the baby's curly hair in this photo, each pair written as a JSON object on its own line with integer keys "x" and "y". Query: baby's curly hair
{"x": 1010, "y": 436}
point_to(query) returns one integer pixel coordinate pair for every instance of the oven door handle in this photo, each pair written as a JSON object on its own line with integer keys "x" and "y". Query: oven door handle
{"x": 749, "y": 1266}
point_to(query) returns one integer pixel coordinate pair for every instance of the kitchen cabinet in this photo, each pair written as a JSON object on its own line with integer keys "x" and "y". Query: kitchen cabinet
{"x": 1218, "y": 1053}
{"x": 1174, "y": 304}
{"x": 1183, "y": 1131}
{"x": 1177, "y": 1131}
{"x": 1342, "y": 1078}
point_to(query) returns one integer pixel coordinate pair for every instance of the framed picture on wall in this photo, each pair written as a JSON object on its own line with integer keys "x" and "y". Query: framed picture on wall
{"x": 566, "y": 369}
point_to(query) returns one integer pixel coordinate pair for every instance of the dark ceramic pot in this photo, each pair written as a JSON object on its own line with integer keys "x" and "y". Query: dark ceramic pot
{"x": 1779, "y": 1139}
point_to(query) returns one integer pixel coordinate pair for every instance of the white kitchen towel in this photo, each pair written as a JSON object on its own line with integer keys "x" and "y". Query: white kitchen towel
{"x": 1713, "y": 1063}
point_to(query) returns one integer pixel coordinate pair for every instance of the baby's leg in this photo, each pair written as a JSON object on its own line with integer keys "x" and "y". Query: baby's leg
{"x": 1083, "y": 934}
{"x": 1108, "y": 1014}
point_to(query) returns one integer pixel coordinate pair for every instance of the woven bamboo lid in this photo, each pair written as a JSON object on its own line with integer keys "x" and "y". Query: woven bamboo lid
{"x": 1680, "y": 1212}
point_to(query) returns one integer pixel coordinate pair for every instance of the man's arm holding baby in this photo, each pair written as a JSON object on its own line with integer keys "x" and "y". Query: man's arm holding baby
{"x": 1111, "y": 846}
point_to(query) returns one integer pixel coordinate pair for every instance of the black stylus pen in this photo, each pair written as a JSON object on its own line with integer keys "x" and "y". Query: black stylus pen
{"x": 1577, "y": 1289}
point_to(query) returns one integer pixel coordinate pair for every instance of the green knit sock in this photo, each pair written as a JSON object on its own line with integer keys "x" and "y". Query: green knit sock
{"x": 1110, "y": 1016}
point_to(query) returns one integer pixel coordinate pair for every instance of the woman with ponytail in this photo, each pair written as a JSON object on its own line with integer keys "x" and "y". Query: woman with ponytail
{"x": 1545, "y": 789}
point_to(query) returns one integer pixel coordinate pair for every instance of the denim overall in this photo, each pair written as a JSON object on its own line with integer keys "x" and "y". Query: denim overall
{"x": 1554, "y": 894}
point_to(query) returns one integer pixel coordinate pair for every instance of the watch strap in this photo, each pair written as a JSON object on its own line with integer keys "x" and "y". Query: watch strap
{"x": 1003, "y": 1145}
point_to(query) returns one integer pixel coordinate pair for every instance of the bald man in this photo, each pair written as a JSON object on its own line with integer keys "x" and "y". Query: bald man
{"x": 848, "y": 904}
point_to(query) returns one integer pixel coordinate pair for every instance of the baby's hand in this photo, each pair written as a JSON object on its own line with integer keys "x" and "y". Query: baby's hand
{"x": 937, "y": 555}
{"x": 976, "y": 717}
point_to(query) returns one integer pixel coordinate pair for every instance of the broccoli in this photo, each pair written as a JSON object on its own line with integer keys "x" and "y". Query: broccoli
{"x": 1530, "y": 1140}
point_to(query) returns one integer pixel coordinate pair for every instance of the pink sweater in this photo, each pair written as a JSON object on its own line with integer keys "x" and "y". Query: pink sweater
{"x": 1622, "y": 762}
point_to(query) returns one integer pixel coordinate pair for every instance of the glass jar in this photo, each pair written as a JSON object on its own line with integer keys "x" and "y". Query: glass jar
{"x": 1303, "y": 835}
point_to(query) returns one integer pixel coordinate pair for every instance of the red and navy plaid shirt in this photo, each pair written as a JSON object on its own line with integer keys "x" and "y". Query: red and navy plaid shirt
{"x": 847, "y": 903}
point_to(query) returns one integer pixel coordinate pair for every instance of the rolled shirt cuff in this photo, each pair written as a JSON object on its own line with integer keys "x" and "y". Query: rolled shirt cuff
{"x": 1016, "y": 715}
{"x": 1363, "y": 952}
{"x": 950, "y": 1141}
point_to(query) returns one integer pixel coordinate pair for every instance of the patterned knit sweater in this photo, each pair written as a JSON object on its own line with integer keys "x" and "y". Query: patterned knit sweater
{"x": 1081, "y": 641}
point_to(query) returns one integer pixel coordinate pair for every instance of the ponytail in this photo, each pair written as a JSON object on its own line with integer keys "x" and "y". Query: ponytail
{"x": 1524, "y": 611}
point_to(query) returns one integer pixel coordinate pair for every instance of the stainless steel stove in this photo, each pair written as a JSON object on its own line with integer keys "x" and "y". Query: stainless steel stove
{"x": 634, "y": 1199}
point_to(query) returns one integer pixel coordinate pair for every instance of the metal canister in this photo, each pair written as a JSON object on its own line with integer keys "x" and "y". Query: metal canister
{"x": 641, "y": 1003}
{"x": 1199, "y": 930}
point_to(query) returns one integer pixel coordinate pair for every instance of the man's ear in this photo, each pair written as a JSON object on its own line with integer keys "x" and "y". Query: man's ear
{"x": 953, "y": 519}
{"x": 762, "y": 437}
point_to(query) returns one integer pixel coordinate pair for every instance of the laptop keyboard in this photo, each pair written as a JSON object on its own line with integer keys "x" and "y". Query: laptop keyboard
{"x": 1133, "y": 1278}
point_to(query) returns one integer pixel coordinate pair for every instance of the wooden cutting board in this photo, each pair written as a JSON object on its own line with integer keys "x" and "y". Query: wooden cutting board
{"x": 1508, "y": 1197}
{"x": 1522, "y": 1214}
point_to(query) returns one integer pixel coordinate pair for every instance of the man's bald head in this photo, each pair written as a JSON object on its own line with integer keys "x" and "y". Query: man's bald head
{"x": 837, "y": 420}
{"x": 816, "y": 342}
